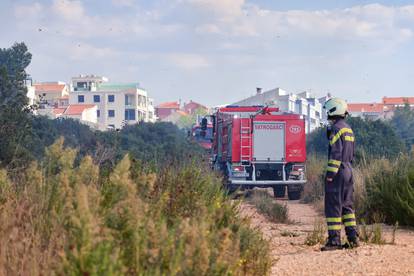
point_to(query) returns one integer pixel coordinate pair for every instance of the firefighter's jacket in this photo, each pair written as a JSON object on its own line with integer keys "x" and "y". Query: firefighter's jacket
{"x": 341, "y": 148}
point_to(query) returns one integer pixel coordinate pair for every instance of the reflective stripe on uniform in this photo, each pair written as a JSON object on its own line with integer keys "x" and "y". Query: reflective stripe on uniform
{"x": 334, "y": 227}
{"x": 349, "y": 138}
{"x": 349, "y": 216}
{"x": 350, "y": 223}
{"x": 334, "y": 162}
{"x": 333, "y": 219}
{"x": 332, "y": 169}
{"x": 338, "y": 135}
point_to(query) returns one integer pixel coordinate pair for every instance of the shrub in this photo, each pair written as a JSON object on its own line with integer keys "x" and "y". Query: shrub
{"x": 390, "y": 191}
{"x": 266, "y": 205}
{"x": 315, "y": 173}
{"x": 317, "y": 236}
{"x": 72, "y": 219}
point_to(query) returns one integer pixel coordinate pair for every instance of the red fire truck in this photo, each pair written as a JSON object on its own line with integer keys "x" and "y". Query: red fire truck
{"x": 202, "y": 134}
{"x": 260, "y": 147}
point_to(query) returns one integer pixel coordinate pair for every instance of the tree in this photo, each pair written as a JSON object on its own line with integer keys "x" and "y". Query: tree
{"x": 186, "y": 122}
{"x": 14, "y": 118}
{"x": 373, "y": 138}
{"x": 403, "y": 123}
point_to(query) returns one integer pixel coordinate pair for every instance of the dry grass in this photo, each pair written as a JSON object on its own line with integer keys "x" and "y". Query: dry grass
{"x": 317, "y": 236}
{"x": 266, "y": 205}
{"x": 62, "y": 219}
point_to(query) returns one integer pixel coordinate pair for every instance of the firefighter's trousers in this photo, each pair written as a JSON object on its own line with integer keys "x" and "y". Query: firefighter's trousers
{"x": 339, "y": 204}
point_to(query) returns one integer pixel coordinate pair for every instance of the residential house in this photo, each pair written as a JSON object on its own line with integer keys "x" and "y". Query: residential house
{"x": 86, "y": 113}
{"x": 118, "y": 104}
{"x": 372, "y": 111}
{"x": 48, "y": 93}
{"x": 192, "y": 107}
{"x": 164, "y": 110}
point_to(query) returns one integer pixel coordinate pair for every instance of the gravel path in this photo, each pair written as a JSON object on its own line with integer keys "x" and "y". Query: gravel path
{"x": 292, "y": 257}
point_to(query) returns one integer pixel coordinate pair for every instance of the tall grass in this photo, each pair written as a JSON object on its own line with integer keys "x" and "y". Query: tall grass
{"x": 62, "y": 219}
{"x": 383, "y": 188}
{"x": 266, "y": 205}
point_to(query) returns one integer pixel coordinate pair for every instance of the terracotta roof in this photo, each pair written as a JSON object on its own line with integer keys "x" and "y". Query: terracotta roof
{"x": 49, "y": 87}
{"x": 174, "y": 105}
{"x": 365, "y": 107}
{"x": 192, "y": 105}
{"x": 59, "y": 111}
{"x": 77, "y": 109}
{"x": 183, "y": 113}
{"x": 398, "y": 100}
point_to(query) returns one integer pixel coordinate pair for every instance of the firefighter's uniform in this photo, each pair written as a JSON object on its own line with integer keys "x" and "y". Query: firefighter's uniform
{"x": 339, "y": 191}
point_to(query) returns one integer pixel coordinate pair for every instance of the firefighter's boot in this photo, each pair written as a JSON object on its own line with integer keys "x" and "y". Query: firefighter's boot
{"x": 334, "y": 243}
{"x": 353, "y": 242}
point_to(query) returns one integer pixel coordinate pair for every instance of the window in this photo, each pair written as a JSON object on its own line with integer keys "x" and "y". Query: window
{"x": 130, "y": 114}
{"x": 96, "y": 98}
{"x": 111, "y": 98}
{"x": 129, "y": 99}
{"x": 98, "y": 113}
{"x": 111, "y": 113}
{"x": 81, "y": 98}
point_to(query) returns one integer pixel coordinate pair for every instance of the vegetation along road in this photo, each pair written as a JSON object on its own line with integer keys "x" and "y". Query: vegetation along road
{"x": 291, "y": 255}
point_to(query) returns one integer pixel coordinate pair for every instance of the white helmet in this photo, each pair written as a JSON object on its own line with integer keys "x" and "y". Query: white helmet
{"x": 336, "y": 107}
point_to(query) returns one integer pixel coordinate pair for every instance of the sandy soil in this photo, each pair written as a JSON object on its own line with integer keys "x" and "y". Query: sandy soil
{"x": 292, "y": 257}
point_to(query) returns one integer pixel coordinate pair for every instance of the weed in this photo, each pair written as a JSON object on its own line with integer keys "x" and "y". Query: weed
{"x": 372, "y": 234}
{"x": 394, "y": 232}
{"x": 317, "y": 236}
{"x": 266, "y": 205}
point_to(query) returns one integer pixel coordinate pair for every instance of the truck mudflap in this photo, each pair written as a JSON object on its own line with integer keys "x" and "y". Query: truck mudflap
{"x": 266, "y": 182}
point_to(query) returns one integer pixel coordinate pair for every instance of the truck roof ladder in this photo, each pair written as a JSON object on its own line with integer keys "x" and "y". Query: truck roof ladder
{"x": 245, "y": 140}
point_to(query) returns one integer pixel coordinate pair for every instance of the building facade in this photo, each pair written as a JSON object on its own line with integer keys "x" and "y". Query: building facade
{"x": 303, "y": 103}
{"x": 118, "y": 104}
{"x": 48, "y": 93}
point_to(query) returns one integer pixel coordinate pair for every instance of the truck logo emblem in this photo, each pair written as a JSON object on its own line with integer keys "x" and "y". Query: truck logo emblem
{"x": 295, "y": 129}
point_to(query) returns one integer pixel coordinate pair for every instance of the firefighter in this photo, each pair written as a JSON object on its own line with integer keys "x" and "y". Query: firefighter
{"x": 339, "y": 183}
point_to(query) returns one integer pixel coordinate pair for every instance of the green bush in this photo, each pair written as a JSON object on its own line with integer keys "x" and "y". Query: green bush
{"x": 374, "y": 139}
{"x": 390, "y": 191}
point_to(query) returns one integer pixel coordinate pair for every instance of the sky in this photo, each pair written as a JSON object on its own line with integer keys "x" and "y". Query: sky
{"x": 218, "y": 51}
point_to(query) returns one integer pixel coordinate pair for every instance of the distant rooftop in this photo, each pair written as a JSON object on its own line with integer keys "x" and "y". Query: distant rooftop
{"x": 398, "y": 100}
{"x": 118, "y": 86}
{"x": 366, "y": 107}
{"x": 172, "y": 105}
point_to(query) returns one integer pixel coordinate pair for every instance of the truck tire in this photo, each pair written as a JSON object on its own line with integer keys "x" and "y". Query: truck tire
{"x": 294, "y": 195}
{"x": 279, "y": 191}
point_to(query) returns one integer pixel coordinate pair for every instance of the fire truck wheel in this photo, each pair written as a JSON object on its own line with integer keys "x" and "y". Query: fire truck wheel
{"x": 279, "y": 191}
{"x": 294, "y": 195}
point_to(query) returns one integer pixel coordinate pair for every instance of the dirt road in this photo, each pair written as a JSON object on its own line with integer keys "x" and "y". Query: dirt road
{"x": 292, "y": 257}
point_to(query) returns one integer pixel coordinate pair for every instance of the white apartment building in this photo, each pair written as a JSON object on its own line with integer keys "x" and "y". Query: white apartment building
{"x": 118, "y": 104}
{"x": 303, "y": 103}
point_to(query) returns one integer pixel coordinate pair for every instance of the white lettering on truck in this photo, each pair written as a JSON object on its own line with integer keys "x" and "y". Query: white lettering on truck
{"x": 268, "y": 126}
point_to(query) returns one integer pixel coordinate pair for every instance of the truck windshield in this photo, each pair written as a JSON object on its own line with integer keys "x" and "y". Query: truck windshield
{"x": 207, "y": 138}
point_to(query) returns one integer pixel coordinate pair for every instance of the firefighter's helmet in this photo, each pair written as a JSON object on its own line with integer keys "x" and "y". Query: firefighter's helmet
{"x": 336, "y": 107}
